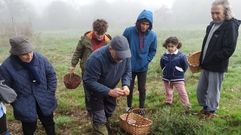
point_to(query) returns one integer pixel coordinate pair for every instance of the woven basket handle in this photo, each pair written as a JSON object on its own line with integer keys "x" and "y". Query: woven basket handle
{"x": 128, "y": 113}
{"x": 139, "y": 120}
{"x": 71, "y": 75}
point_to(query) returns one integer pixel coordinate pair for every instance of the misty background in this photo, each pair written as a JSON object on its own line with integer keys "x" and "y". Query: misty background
{"x": 26, "y": 16}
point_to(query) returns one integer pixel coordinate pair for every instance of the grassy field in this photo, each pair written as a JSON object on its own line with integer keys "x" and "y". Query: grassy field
{"x": 70, "y": 116}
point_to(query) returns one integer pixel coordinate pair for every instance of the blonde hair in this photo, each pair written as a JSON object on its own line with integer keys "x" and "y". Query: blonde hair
{"x": 227, "y": 8}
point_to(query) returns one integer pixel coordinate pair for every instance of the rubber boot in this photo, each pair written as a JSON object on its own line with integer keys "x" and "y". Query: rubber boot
{"x": 99, "y": 129}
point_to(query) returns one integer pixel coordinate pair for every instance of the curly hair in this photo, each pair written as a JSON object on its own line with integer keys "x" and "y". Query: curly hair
{"x": 227, "y": 8}
{"x": 100, "y": 26}
{"x": 173, "y": 40}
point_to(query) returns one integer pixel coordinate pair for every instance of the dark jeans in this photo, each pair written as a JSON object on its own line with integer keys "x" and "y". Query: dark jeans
{"x": 47, "y": 121}
{"x": 141, "y": 79}
{"x": 3, "y": 124}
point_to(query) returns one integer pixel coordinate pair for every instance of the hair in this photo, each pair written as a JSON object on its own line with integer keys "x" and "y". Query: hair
{"x": 173, "y": 40}
{"x": 100, "y": 26}
{"x": 227, "y": 8}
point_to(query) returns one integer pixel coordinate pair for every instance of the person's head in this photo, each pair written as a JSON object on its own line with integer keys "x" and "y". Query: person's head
{"x": 21, "y": 48}
{"x": 221, "y": 11}
{"x": 144, "y": 21}
{"x": 172, "y": 44}
{"x": 119, "y": 49}
{"x": 143, "y": 25}
{"x": 100, "y": 27}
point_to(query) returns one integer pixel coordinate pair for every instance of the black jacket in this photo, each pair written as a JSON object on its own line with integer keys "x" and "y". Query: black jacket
{"x": 221, "y": 46}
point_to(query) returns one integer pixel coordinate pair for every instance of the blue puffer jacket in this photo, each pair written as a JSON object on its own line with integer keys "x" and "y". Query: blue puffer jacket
{"x": 29, "y": 93}
{"x": 140, "y": 57}
{"x": 173, "y": 66}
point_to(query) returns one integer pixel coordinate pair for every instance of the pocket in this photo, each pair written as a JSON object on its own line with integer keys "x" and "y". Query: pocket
{"x": 179, "y": 69}
{"x": 215, "y": 35}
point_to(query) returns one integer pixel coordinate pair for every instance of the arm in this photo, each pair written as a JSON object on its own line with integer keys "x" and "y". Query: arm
{"x": 5, "y": 75}
{"x": 92, "y": 75}
{"x": 229, "y": 43}
{"x": 162, "y": 63}
{"x": 184, "y": 63}
{"x": 50, "y": 76}
{"x": 152, "y": 49}
{"x": 77, "y": 53}
{"x": 126, "y": 78}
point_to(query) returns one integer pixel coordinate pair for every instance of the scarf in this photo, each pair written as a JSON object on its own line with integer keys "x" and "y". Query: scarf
{"x": 97, "y": 43}
{"x": 32, "y": 70}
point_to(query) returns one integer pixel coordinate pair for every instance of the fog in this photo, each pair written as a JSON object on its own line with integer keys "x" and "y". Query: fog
{"x": 39, "y": 15}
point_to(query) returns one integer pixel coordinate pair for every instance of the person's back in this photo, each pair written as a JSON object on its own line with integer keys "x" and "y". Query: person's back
{"x": 109, "y": 76}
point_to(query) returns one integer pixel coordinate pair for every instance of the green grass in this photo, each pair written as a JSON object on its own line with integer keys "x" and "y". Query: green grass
{"x": 70, "y": 117}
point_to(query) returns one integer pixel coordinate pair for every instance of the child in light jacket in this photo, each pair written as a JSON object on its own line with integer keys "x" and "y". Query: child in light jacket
{"x": 174, "y": 64}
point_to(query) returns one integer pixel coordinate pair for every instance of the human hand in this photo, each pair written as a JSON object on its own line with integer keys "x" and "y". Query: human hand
{"x": 126, "y": 90}
{"x": 116, "y": 92}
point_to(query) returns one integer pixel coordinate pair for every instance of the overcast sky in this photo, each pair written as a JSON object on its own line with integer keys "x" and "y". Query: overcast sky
{"x": 79, "y": 14}
{"x": 149, "y": 4}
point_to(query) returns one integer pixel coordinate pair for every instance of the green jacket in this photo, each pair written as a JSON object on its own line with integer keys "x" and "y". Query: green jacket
{"x": 84, "y": 49}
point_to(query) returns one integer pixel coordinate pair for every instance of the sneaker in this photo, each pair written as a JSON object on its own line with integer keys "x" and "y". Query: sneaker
{"x": 141, "y": 111}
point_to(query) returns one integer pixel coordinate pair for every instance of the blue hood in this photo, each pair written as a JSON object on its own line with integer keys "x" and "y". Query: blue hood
{"x": 146, "y": 14}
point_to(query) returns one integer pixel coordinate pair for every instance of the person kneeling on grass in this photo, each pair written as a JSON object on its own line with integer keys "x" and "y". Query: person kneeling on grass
{"x": 174, "y": 64}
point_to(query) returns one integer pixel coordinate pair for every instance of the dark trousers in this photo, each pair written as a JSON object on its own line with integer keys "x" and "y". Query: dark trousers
{"x": 87, "y": 100}
{"x": 102, "y": 107}
{"x": 3, "y": 125}
{"x": 141, "y": 79}
{"x": 47, "y": 121}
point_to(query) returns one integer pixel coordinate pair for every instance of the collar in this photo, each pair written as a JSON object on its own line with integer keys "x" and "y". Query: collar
{"x": 172, "y": 53}
{"x": 16, "y": 61}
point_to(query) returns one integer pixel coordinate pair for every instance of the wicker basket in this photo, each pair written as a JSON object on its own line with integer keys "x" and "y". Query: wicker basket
{"x": 193, "y": 61}
{"x": 135, "y": 124}
{"x": 71, "y": 80}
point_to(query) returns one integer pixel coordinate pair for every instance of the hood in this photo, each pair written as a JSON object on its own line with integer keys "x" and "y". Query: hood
{"x": 236, "y": 22}
{"x": 146, "y": 14}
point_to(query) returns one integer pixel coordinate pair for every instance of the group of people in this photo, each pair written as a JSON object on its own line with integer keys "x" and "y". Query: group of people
{"x": 105, "y": 61}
